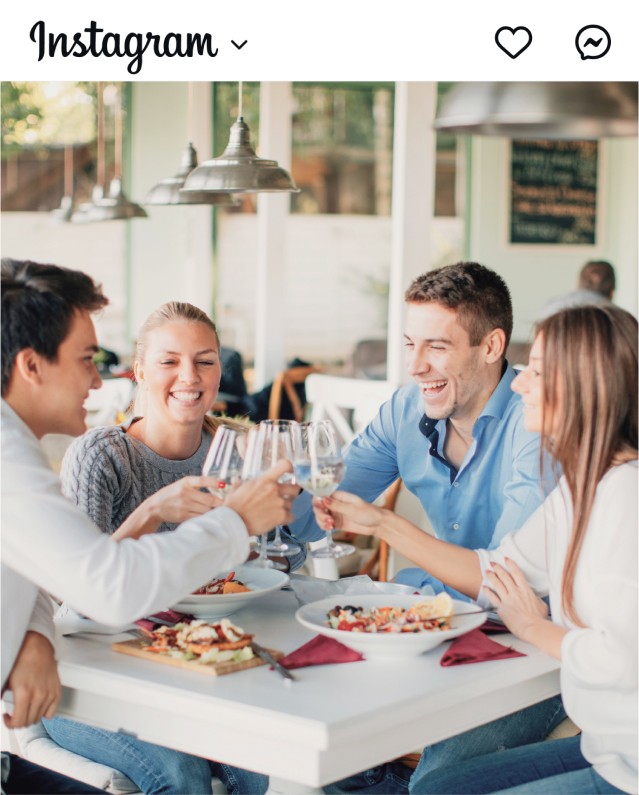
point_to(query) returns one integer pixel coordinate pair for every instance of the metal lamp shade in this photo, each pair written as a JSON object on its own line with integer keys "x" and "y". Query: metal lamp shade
{"x": 540, "y": 110}
{"x": 64, "y": 213}
{"x": 169, "y": 190}
{"x": 113, "y": 207}
{"x": 239, "y": 169}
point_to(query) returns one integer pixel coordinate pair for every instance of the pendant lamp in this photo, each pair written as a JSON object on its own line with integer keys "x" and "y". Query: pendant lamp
{"x": 540, "y": 110}
{"x": 115, "y": 206}
{"x": 238, "y": 169}
{"x": 168, "y": 191}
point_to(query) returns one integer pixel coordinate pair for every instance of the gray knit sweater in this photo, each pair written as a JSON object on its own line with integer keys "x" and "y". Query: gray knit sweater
{"x": 107, "y": 473}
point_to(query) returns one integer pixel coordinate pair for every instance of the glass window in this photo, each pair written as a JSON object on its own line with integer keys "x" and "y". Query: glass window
{"x": 49, "y": 143}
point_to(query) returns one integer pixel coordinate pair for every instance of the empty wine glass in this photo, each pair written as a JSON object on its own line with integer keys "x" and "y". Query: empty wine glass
{"x": 225, "y": 458}
{"x": 319, "y": 468}
{"x": 269, "y": 442}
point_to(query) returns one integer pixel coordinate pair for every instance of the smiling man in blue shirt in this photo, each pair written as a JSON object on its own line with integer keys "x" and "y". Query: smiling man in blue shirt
{"x": 456, "y": 438}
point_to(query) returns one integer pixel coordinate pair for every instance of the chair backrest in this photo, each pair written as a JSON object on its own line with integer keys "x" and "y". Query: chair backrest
{"x": 349, "y": 402}
{"x": 284, "y": 384}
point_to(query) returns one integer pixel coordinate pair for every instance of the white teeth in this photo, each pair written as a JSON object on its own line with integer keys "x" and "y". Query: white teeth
{"x": 433, "y": 385}
{"x": 186, "y": 396}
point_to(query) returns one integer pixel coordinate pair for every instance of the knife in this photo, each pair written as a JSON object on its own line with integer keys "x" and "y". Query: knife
{"x": 265, "y": 655}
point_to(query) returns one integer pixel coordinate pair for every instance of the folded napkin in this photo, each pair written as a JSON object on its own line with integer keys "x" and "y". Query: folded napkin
{"x": 320, "y": 651}
{"x": 476, "y": 647}
{"x": 166, "y": 615}
{"x": 493, "y": 627}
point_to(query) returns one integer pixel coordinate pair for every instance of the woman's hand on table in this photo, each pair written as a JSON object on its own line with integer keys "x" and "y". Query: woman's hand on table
{"x": 346, "y": 512}
{"x": 34, "y": 682}
{"x": 263, "y": 503}
{"x": 517, "y": 604}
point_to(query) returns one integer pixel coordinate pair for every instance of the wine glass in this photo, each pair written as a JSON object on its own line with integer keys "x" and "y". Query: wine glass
{"x": 269, "y": 442}
{"x": 319, "y": 468}
{"x": 225, "y": 459}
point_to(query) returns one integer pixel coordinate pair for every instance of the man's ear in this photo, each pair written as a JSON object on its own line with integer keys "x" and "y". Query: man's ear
{"x": 29, "y": 366}
{"x": 495, "y": 342}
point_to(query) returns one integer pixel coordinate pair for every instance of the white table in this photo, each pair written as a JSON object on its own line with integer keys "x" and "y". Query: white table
{"x": 334, "y": 721}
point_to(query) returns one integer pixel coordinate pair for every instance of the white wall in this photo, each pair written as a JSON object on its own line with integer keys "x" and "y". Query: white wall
{"x": 97, "y": 249}
{"x": 536, "y": 273}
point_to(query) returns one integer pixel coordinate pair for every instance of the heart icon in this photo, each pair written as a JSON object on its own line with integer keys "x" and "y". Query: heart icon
{"x": 513, "y": 41}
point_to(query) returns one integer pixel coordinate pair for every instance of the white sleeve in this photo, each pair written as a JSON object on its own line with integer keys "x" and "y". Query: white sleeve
{"x": 603, "y": 654}
{"x": 41, "y": 620}
{"x": 54, "y": 545}
{"x": 527, "y": 548}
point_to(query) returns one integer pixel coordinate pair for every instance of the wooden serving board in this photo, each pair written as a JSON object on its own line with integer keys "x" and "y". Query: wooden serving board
{"x": 137, "y": 648}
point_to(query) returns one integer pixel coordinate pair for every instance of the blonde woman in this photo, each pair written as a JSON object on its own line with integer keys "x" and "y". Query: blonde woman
{"x": 145, "y": 476}
{"x": 580, "y": 548}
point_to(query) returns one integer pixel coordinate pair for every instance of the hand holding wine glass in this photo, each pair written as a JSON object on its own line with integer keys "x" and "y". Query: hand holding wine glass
{"x": 319, "y": 468}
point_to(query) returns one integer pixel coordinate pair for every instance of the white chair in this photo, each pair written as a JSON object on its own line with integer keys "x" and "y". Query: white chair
{"x": 33, "y": 743}
{"x": 350, "y": 403}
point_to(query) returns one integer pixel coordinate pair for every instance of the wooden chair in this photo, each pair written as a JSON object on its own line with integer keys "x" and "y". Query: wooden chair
{"x": 380, "y": 556}
{"x": 284, "y": 384}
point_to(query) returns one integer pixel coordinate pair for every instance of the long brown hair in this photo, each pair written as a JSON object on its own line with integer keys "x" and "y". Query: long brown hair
{"x": 171, "y": 312}
{"x": 590, "y": 385}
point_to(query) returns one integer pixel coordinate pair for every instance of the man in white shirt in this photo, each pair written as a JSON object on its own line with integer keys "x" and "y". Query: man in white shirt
{"x": 48, "y": 544}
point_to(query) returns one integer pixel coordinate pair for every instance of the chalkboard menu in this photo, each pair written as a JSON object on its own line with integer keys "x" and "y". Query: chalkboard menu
{"x": 553, "y": 192}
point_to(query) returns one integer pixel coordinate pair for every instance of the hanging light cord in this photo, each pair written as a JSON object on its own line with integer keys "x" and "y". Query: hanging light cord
{"x": 101, "y": 169}
{"x": 190, "y": 113}
{"x": 239, "y": 106}
{"x": 118, "y": 132}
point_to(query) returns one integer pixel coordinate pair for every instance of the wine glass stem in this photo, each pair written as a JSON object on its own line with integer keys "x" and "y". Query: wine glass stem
{"x": 263, "y": 546}
{"x": 277, "y": 540}
{"x": 330, "y": 544}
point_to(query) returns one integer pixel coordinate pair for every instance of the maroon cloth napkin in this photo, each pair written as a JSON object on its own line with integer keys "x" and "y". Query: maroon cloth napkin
{"x": 320, "y": 651}
{"x": 493, "y": 627}
{"x": 476, "y": 647}
{"x": 167, "y": 615}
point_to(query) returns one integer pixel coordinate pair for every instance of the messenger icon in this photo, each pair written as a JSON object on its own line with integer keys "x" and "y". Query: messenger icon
{"x": 592, "y": 42}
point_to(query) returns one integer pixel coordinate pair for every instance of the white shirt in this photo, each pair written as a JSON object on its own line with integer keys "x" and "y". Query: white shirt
{"x": 49, "y": 544}
{"x": 598, "y": 661}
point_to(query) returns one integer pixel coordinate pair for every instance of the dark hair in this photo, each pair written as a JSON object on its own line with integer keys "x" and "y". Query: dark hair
{"x": 598, "y": 276}
{"x": 38, "y": 303}
{"x": 479, "y": 295}
{"x": 590, "y": 380}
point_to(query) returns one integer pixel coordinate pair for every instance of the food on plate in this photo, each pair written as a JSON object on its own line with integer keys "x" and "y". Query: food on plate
{"x": 202, "y": 642}
{"x": 434, "y": 614}
{"x": 226, "y": 584}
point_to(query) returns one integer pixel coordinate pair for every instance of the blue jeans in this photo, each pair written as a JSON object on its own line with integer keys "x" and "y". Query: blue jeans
{"x": 152, "y": 768}
{"x": 526, "y": 726}
{"x": 25, "y": 778}
{"x": 556, "y": 767}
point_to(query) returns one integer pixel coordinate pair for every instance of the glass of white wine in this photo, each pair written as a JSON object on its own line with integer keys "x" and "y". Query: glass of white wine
{"x": 319, "y": 468}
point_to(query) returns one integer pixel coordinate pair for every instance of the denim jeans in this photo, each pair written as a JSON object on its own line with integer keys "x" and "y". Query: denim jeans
{"x": 152, "y": 768}
{"x": 25, "y": 778}
{"x": 526, "y": 726}
{"x": 556, "y": 767}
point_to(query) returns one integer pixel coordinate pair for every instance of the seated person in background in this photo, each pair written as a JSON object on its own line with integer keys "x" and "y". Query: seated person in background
{"x": 48, "y": 545}
{"x": 457, "y": 439}
{"x": 579, "y": 547}
{"x": 144, "y": 477}
{"x": 596, "y": 286}
{"x": 232, "y": 384}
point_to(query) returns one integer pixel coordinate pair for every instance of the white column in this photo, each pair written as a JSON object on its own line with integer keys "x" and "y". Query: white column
{"x": 413, "y": 205}
{"x": 272, "y": 217}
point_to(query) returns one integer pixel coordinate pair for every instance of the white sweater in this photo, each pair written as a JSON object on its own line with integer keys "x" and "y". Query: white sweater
{"x": 598, "y": 661}
{"x": 50, "y": 544}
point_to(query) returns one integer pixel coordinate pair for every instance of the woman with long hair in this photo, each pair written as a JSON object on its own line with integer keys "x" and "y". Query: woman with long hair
{"x": 580, "y": 549}
{"x": 145, "y": 476}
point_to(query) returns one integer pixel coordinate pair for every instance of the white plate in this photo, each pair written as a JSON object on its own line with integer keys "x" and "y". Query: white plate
{"x": 260, "y": 581}
{"x": 387, "y": 644}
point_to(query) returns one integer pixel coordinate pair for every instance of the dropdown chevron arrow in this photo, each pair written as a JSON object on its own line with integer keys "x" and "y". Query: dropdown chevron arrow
{"x": 239, "y": 46}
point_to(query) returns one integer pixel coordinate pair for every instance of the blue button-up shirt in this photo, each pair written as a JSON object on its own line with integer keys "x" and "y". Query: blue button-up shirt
{"x": 495, "y": 490}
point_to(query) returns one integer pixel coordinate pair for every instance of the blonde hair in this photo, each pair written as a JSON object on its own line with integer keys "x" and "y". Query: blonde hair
{"x": 590, "y": 383}
{"x": 172, "y": 312}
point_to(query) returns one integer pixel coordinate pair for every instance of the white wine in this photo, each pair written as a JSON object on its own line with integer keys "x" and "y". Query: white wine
{"x": 324, "y": 479}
